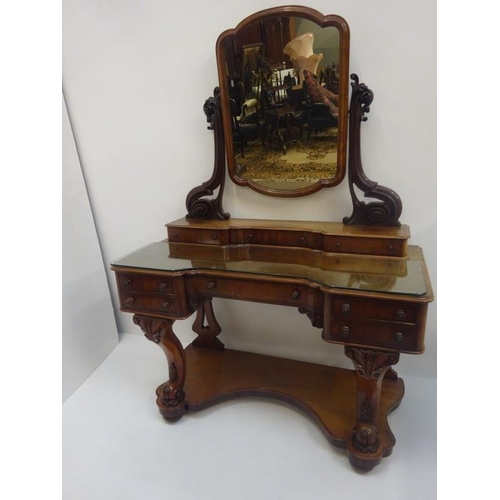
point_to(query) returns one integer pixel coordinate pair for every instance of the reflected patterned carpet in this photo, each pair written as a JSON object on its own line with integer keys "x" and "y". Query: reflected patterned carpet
{"x": 304, "y": 161}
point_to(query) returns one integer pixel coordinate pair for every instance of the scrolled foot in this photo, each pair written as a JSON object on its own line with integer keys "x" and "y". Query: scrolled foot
{"x": 172, "y": 394}
{"x": 365, "y": 437}
{"x": 170, "y": 401}
{"x": 363, "y": 464}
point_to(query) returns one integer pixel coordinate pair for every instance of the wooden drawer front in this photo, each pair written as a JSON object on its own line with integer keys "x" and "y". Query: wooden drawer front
{"x": 365, "y": 246}
{"x": 378, "y": 334}
{"x": 165, "y": 304}
{"x": 350, "y": 308}
{"x": 139, "y": 282}
{"x": 285, "y": 294}
{"x": 279, "y": 238}
{"x": 205, "y": 236}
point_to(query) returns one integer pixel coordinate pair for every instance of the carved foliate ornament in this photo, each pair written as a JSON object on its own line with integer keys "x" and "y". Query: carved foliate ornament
{"x": 152, "y": 327}
{"x": 371, "y": 364}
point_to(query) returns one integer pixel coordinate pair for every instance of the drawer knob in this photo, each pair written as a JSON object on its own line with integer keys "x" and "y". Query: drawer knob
{"x": 345, "y": 332}
{"x": 400, "y": 315}
{"x": 129, "y": 300}
{"x": 126, "y": 282}
{"x": 214, "y": 236}
{"x": 346, "y": 308}
{"x": 163, "y": 287}
{"x": 399, "y": 338}
{"x": 165, "y": 305}
{"x": 302, "y": 239}
{"x": 295, "y": 294}
{"x": 211, "y": 285}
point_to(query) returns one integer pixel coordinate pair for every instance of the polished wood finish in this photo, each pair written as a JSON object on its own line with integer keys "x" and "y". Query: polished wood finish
{"x": 359, "y": 282}
{"x": 370, "y": 367}
{"x": 374, "y": 326}
{"x": 170, "y": 395}
{"x": 387, "y": 210}
{"x": 230, "y": 35}
{"x": 291, "y": 255}
{"x": 199, "y": 201}
{"x": 326, "y": 236}
{"x": 326, "y": 394}
{"x": 379, "y": 320}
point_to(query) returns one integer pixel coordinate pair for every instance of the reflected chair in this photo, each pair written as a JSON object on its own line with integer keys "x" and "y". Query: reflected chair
{"x": 321, "y": 105}
{"x": 247, "y": 129}
{"x": 320, "y": 118}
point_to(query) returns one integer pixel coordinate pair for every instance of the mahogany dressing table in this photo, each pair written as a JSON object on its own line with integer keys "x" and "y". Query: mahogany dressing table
{"x": 359, "y": 282}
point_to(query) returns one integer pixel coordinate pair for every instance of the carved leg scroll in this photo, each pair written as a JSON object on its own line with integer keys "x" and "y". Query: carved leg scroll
{"x": 207, "y": 331}
{"x": 371, "y": 366}
{"x": 170, "y": 395}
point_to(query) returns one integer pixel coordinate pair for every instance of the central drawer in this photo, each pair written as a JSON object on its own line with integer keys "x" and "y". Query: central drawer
{"x": 255, "y": 291}
{"x": 278, "y": 238}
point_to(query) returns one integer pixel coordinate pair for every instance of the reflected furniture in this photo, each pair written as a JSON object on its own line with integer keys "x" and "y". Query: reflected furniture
{"x": 245, "y": 127}
{"x": 319, "y": 117}
{"x": 359, "y": 281}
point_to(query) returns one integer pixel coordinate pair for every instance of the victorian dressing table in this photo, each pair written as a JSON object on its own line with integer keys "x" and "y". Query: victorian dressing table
{"x": 359, "y": 282}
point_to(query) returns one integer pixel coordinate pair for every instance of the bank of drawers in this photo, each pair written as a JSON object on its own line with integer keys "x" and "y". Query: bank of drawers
{"x": 291, "y": 238}
{"x": 147, "y": 294}
{"x": 156, "y": 294}
{"x": 369, "y": 322}
{"x": 375, "y": 323}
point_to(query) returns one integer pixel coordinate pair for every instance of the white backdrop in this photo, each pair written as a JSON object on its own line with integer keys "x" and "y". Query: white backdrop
{"x": 135, "y": 77}
{"x": 88, "y": 326}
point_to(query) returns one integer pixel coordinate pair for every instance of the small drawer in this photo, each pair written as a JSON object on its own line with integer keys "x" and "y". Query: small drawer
{"x": 366, "y": 246}
{"x": 279, "y": 238}
{"x": 149, "y": 302}
{"x": 203, "y": 236}
{"x": 354, "y": 308}
{"x": 377, "y": 334}
{"x": 139, "y": 282}
{"x": 255, "y": 291}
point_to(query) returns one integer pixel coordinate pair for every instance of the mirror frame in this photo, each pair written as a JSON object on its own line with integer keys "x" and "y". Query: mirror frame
{"x": 343, "y": 65}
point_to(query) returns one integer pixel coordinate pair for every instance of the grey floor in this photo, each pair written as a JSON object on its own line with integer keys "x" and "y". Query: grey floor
{"x": 116, "y": 445}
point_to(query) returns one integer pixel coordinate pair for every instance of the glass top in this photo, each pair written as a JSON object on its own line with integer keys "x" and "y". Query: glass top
{"x": 398, "y": 276}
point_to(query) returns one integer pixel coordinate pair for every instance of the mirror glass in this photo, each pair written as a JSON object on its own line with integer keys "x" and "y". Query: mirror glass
{"x": 283, "y": 94}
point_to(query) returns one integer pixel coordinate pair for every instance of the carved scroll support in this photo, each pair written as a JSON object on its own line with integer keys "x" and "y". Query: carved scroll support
{"x": 387, "y": 211}
{"x": 207, "y": 328}
{"x": 197, "y": 203}
{"x": 170, "y": 395}
{"x": 371, "y": 366}
{"x": 314, "y": 315}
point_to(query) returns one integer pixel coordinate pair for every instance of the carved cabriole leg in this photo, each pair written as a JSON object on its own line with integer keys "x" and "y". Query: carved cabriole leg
{"x": 371, "y": 367}
{"x": 170, "y": 395}
{"x": 207, "y": 332}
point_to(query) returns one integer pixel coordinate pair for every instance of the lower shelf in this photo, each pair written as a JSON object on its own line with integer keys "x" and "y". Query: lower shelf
{"x": 327, "y": 394}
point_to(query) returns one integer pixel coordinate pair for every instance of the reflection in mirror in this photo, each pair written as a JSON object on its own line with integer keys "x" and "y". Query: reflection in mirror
{"x": 283, "y": 90}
